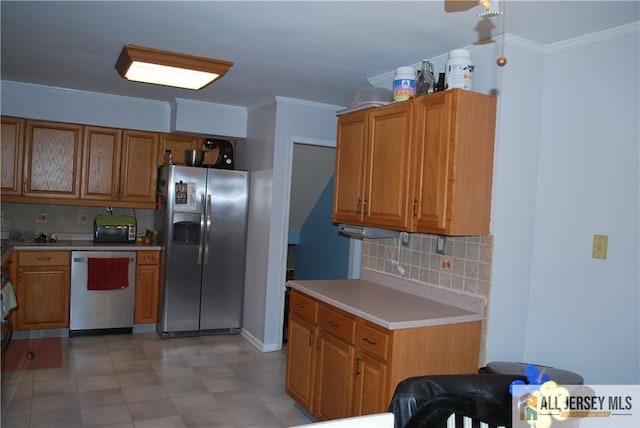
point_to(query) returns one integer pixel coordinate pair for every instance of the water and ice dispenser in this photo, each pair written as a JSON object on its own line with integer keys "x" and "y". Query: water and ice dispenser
{"x": 186, "y": 228}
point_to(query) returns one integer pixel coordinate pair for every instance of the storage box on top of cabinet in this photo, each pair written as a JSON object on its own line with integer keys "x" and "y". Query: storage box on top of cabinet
{"x": 423, "y": 165}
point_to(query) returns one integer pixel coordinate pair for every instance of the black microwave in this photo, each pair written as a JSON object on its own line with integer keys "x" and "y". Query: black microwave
{"x": 107, "y": 228}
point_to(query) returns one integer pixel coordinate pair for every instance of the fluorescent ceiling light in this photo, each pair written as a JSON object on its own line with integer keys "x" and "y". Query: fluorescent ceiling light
{"x": 159, "y": 67}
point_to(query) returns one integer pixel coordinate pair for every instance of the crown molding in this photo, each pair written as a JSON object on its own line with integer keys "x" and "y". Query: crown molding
{"x": 382, "y": 80}
{"x": 597, "y": 37}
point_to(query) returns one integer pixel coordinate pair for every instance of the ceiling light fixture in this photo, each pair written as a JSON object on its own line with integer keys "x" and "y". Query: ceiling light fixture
{"x": 160, "y": 67}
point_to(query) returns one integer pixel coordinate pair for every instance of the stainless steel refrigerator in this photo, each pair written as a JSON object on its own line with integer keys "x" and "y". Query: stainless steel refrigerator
{"x": 201, "y": 218}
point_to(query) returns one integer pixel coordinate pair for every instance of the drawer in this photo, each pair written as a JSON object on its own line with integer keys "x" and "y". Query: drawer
{"x": 148, "y": 258}
{"x": 44, "y": 258}
{"x": 373, "y": 341}
{"x": 303, "y": 306}
{"x": 338, "y": 323}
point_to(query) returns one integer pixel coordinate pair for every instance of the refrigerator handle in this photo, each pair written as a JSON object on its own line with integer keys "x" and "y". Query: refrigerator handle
{"x": 206, "y": 242}
{"x": 202, "y": 238}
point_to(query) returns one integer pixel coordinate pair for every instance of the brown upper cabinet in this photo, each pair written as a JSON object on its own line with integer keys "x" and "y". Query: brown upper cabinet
{"x": 177, "y": 144}
{"x": 423, "y": 165}
{"x": 52, "y": 160}
{"x": 372, "y": 167}
{"x": 139, "y": 170}
{"x": 11, "y": 155}
{"x": 119, "y": 166}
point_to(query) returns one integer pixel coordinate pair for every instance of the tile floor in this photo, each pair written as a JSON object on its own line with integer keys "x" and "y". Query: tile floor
{"x": 142, "y": 381}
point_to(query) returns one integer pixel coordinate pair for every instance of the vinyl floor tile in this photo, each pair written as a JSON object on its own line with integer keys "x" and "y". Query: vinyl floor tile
{"x": 142, "y": 381}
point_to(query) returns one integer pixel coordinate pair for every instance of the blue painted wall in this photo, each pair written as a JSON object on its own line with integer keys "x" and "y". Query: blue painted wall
{"x": 322, "y": 253}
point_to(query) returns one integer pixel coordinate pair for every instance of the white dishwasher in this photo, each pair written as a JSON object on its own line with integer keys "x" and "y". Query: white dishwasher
{"x": 106, "y": 308}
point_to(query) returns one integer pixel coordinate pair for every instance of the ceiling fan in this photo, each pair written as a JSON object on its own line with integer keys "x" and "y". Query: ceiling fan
{"x": 491, "y": 9}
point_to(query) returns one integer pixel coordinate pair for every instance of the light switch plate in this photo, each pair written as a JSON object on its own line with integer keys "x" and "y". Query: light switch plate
{"x": 441, "y": 244}
{"x": 600, "y": 244}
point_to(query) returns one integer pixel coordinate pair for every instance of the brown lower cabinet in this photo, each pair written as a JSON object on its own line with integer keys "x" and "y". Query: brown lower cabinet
{"x": 340, "y": 365}
{"x": 43, "y": 287}
{"x": 147, "y": 276}
{"x": 42, "y": 283}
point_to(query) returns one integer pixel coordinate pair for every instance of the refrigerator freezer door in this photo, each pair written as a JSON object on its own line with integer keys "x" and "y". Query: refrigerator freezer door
{"x": 223, "y": 268}
{"x": 183, "y": 237}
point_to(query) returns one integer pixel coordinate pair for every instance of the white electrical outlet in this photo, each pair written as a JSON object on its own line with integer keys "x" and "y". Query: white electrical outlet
{"x": 446, "y": 264}
{"x": 41, "y": 218}
{"x": 404, "y": 238}
{"x": 82, "y": 219}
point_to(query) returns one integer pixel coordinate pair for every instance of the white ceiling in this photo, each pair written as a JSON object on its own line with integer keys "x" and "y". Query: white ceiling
{"x": 317, "y": 51}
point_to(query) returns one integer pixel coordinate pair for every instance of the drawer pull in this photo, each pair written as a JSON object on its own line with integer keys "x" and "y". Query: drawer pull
{"x": 299, "y": 305}
{"x": 333, "y": 324}
{"x": 369, "y": 341}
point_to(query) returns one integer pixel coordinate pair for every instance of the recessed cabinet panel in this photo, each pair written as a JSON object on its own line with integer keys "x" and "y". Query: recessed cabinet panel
{"x": 431, "y": 164}
{"x": 350, "y": 169}
{"x": 11, "y": 155}
{"x": 386, "y": 197}
{"x": 139, "y": 168}
{"x": 52, "y": 160}
{"x": 101, "y": 163}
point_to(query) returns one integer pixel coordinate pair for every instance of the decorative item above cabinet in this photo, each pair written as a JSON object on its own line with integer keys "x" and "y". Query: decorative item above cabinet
{"x": 424, "y": 165}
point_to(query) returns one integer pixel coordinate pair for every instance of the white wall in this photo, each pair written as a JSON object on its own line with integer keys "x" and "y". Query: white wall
{"x": 583, "y": 312}
{"x": 514, "y": 199}
{"x": 295, "y": 120}
{"x": 567, "y": 163}
{"x": 68, "y": 105}
{"x": 257, "y": 155}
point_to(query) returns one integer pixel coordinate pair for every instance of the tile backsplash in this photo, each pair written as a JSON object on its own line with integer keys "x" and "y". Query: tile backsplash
{"x": 465, "y": 267}
{"x": 39, "y": 218}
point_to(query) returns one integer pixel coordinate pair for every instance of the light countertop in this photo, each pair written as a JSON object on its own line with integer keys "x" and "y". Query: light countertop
{"x": 382, "y": 305}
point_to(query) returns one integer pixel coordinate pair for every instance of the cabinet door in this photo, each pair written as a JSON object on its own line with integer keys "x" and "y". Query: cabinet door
{"x": 11, "y": 155}
{"x": 139, "y": 168}
{"x": 432, "y": 163}
{"x": 146, "y": 307}
{"x": 351, "y": 149}
{"x": 43, "y": 296}
{"x": 300, "y": 361}
{"x": 387, "y": 181}
{"x": 101, "y": 163}
{"x": 177, "y": 144}
{"x": 52, "y": 160}
{"x": 370, "y": 386}
{"x": 10, "y": 269}
{"x": 335, "y": 378}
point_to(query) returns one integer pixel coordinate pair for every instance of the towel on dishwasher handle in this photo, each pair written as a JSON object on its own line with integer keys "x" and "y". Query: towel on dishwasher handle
{"x": 108, "y": 274}
{"x": 9, "y": 301}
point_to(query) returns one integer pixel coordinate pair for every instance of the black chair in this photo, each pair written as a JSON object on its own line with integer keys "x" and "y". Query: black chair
{"x": 429, "y": 401}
